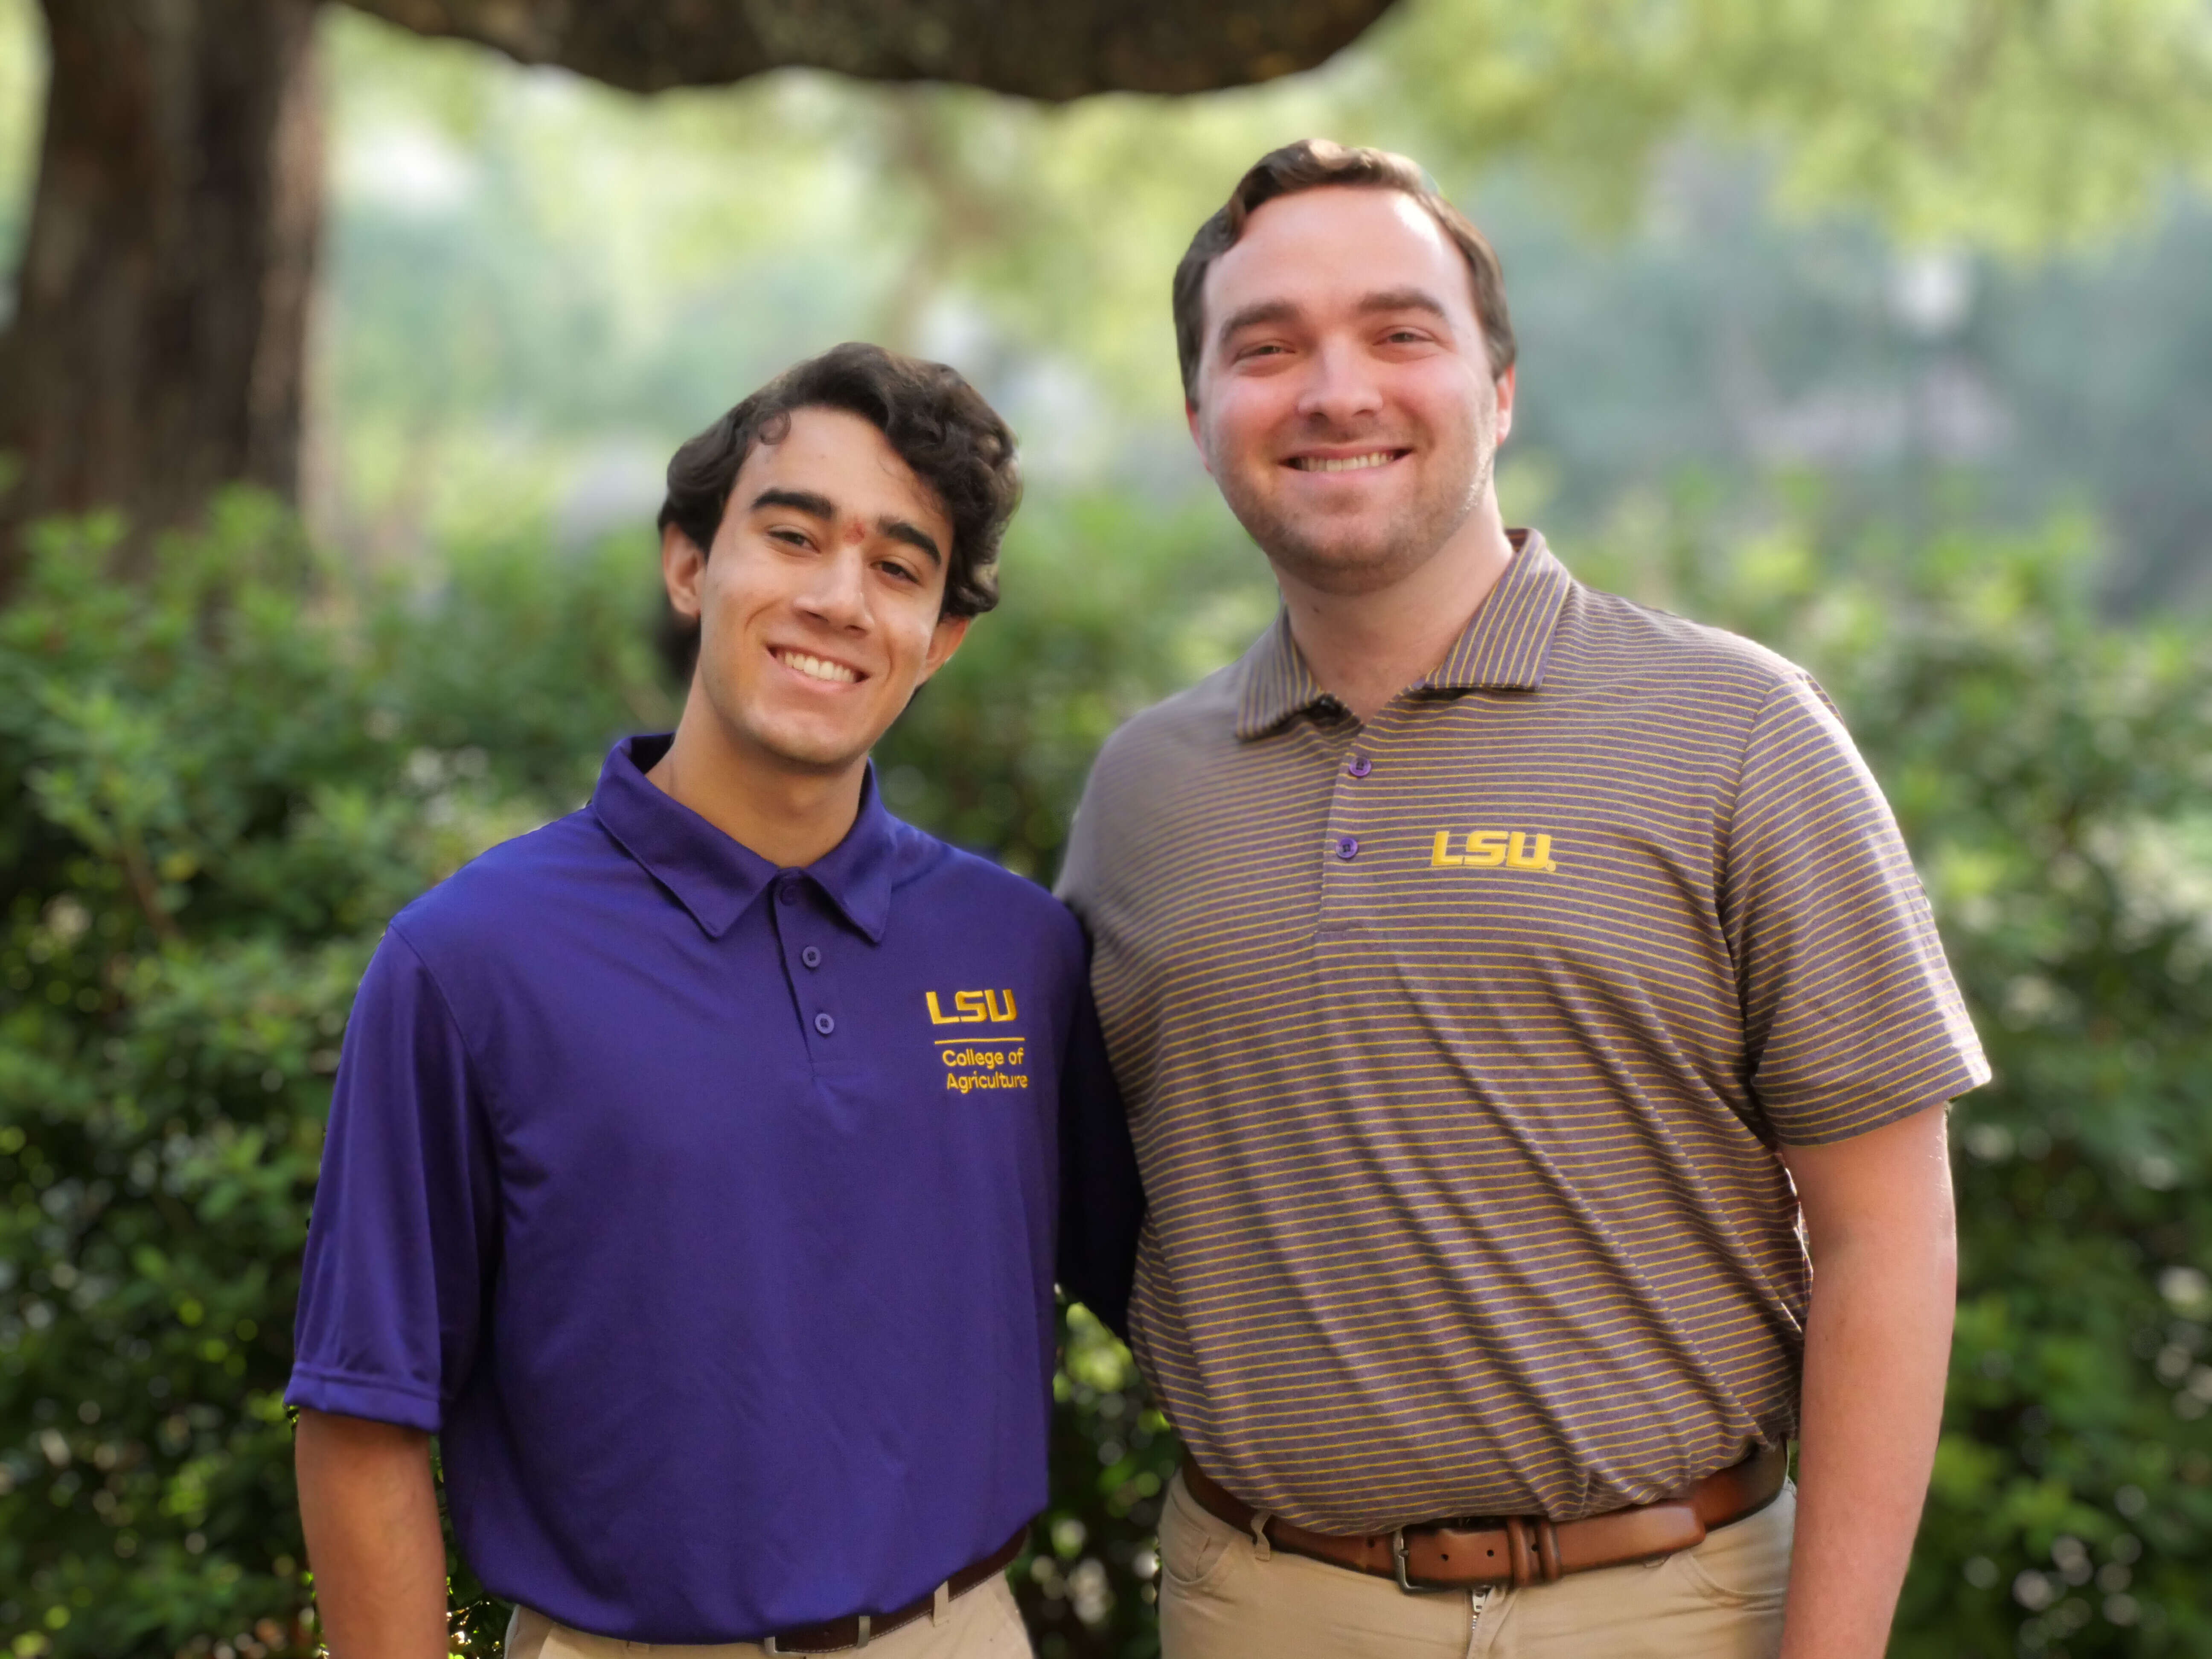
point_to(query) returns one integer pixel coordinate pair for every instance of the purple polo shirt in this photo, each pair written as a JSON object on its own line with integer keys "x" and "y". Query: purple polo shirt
{"x": 705, "y": 1211}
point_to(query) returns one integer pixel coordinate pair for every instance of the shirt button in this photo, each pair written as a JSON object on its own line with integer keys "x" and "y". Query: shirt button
{"x": 1360, "y": 766}
{"x": 1347, "y": 846}
{"x": 812, "y": 958}
{"x": 789, "y": 892}
{"x": 824, "y": 1024}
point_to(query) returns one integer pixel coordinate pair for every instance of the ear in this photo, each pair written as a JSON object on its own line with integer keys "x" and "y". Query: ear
{"x": 943, "y": 640}
{"x": 682, "y": 567}
{"x": 1504, "y": 386}
{"x": 1190, "y": 415}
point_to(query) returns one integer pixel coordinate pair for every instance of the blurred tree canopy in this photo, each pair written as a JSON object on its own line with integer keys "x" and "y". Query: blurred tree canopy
{"x": 159, "y": 345}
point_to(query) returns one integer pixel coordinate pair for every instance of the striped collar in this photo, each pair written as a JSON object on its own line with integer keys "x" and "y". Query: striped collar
{"x": 1503, "y": 646}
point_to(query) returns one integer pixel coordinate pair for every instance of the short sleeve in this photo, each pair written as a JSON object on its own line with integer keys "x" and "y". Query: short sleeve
{"x": 1851, "y": 1017}
{"x": 1101, "y": 1200}
{"x": 400, "y": 1246}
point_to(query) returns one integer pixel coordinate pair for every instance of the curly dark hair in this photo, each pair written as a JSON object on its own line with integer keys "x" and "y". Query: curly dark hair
{"x": 1311, "y": 164}
{"x": 936, "y": 422}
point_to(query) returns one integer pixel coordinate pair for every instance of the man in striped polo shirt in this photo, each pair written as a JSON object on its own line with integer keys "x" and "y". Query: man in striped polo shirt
{"x": 1534, "y": 1037}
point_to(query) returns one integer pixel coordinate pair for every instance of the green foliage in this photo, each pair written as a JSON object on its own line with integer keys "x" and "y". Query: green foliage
{"x": 213, "y": 791}
{"x": 2008, "y": 123}
{"x": 533, "y": 280}
{"x": 1090, "y": 1583}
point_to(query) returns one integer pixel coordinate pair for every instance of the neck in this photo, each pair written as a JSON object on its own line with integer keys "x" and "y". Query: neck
{"x": 1365, "y": 648}
{"x": 791, "y": 816}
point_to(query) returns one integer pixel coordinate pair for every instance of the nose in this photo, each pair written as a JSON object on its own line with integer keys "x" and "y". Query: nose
{"x": 837, "y": 589}
{"x": 1341, "y": 389}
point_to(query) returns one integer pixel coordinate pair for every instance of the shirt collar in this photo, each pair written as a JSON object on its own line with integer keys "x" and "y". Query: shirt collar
{"x": 1503, "y": 646}
{"x": 716, "y": 876}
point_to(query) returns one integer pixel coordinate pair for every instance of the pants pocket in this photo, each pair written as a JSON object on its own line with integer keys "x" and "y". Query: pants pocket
{"x": 1746, "y": 1564}
{"x": 1195, "y": 1545}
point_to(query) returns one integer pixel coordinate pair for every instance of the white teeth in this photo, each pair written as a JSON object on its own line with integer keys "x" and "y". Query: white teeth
{"x": 1346, "y": 463}
{"x": 816, "y": 669}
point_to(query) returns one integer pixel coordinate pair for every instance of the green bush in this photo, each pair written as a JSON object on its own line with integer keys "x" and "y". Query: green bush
{"x": 213, "y": 791}
{"x": 218, "y": 787}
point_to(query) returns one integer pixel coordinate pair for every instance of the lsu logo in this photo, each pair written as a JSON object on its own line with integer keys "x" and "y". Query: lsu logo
{"x": 1492, "y": 849}
{"x": 972, "y": 1008}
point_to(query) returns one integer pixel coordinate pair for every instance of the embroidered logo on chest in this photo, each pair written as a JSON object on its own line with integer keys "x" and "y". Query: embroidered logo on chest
{"x": 972, "y": 1008}
{"x": 979, "y": 1061}
{"x": 1492, "y": 849}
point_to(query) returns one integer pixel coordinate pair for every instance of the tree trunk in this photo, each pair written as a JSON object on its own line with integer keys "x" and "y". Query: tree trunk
{"x": 158, "y": 348}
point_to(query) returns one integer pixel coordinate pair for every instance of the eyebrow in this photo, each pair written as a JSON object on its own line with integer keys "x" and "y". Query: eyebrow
{"x": 1263, "y": 311}
{"x": 913, "y": 535}
{"x": 799, "y": 500}
{"x": 821, "y": 507}
{"x": 1253, "y": 316}
{"x": 1403, "y": 299}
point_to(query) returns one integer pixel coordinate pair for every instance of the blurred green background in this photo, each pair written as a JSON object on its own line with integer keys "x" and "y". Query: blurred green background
{"x": 1882, "y": 333}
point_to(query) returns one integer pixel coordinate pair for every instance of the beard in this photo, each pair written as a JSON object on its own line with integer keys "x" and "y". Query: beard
{"x": 1366, "y": 553}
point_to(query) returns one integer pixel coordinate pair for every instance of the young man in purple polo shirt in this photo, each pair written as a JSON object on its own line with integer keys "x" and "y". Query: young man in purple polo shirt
{"x": 693, "y": 1167}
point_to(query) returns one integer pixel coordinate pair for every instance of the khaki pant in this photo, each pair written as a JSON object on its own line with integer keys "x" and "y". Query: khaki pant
{"x": 1220, "y": 1599}
{"x": 984, "y": 1624}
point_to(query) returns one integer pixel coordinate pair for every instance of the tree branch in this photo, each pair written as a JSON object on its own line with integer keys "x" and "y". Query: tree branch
{"x": 1047, "y": 48}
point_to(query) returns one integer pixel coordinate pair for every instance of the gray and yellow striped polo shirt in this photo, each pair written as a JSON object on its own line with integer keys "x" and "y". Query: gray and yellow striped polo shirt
{"x": 1454, "y": 1045}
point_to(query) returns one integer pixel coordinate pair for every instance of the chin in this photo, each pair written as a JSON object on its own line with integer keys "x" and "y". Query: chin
{"x": 809, "y": 749}
{"x": 819, "y": 757}
{"x": 1341, "y": 564}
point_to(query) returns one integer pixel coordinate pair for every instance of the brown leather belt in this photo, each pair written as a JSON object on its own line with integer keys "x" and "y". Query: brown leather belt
{"x": 1518, "y": 1550}
{"x": 858, "y": 1630}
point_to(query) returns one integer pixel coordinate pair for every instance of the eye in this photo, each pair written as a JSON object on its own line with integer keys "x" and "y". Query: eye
{"x": 789, "y": 536}
{"x": 893, "y": 568}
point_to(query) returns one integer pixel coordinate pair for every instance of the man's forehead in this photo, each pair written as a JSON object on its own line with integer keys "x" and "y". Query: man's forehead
{"x": 823, "y": 444}
{"x": 1337, "y": 243}
{"x": 836, "y": 436}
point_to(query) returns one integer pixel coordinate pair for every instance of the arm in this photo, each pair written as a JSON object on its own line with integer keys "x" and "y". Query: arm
{"x": 371, "y": 1517}
{"x": 1878, "y": 1221}
{"x": 399, "y": 1249}
{"x": 1101, "y": 1197}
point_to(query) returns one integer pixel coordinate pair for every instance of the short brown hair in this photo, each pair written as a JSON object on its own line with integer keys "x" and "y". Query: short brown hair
{"x": 1309, "y": 164}
{"x": 937, "y": 424}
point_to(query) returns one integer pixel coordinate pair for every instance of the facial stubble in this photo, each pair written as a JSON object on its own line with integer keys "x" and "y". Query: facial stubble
{"x": 1351, "y": 564}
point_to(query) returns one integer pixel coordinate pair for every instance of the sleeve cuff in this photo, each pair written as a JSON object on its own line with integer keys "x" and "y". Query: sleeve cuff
{"x": 1829, "y": 1135}
{"x": 352, "y": 1396}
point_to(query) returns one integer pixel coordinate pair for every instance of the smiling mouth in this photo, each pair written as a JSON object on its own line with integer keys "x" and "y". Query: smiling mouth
{"x": 818, "y": 668}
{"x": 1345, "y": 463}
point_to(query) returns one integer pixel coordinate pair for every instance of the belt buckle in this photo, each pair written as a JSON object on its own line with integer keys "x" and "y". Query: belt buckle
{"x": 1398, "y": 1559}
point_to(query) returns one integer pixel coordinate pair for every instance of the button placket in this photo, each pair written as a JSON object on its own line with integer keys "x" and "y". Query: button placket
{"x": 809, "y": 987}
{"x": 1348, "y": 850}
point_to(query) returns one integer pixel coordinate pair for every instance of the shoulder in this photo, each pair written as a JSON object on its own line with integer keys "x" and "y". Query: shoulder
{"x": 503, "y": 894}
{"x": 950, "y": 880}
{"x": 1152, "y": 756}
{"x": 1786, "y": 741}
{"x": 1201, "y": 718}
{"x": 1607, "y": 637}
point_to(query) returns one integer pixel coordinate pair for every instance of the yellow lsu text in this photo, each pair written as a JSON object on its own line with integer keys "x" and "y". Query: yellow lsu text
{"x": 1492, "y": 849}
{"x": 972, "y": 1008}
